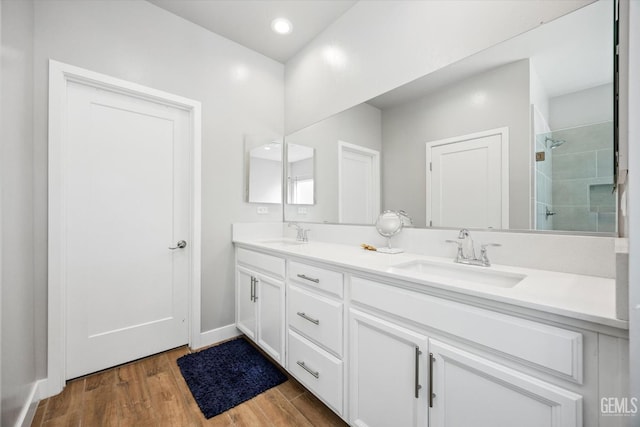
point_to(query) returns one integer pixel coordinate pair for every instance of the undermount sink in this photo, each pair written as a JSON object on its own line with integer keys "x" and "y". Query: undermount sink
{"x": 283, "y": 242}
{"x": 456, "y": 272}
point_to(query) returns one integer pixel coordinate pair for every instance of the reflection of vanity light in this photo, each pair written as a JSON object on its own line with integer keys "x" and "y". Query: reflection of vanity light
{"x": 281, "y": 26}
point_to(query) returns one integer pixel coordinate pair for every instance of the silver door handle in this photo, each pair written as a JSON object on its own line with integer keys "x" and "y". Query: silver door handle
{"x": 417, "y": 373}
{"x": 180, "y": 245}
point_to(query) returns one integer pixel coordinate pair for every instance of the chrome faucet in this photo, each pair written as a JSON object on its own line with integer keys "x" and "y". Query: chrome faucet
{"x": 466, "y": 250}
{"x": 302, "y": 233}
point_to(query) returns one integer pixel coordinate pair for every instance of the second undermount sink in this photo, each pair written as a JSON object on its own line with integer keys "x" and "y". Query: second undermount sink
{"x": 456, "y": 272}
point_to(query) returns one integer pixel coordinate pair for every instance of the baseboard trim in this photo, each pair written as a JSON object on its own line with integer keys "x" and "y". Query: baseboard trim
{"x": 30, "y": 405}
{"x": 216, "y": 335}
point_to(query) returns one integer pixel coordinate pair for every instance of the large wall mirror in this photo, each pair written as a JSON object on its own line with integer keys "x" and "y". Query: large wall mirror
{"x": 519, "y": 136}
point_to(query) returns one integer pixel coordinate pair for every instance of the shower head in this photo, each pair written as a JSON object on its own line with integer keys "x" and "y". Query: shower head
{"x": 554, "y": 143}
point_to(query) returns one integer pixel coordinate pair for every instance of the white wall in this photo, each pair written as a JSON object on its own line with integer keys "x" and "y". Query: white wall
{"x": 379, "y": 45}
{"x": 241, "y": 93}
{"x": 359, "y": 125}
{"x": 19, "y": 353}
{"x": 538, "y": 94}
{"x": 496, "y": 98}
{"x": 585, "y": 107}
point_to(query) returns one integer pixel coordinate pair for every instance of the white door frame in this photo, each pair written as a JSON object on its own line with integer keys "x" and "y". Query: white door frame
{"x": 59, "y": 76}
{"x": 504, "y": 174}
{"x": 375, "y": 155}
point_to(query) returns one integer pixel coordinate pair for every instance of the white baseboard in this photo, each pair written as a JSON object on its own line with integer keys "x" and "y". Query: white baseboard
{"x": 30, "y": 405}
{"x": 216, "y": 335}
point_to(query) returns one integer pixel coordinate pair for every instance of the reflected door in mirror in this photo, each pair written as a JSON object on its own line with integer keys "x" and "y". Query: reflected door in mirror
{"x": 358, "y": 184}
{"x": 468, "y": 180}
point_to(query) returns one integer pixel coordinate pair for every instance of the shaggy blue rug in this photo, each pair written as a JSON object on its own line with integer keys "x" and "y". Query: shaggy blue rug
{"x": 228, "y": 374}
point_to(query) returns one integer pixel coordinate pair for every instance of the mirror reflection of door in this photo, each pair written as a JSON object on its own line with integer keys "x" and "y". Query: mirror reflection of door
{"x": 265, "y": 173}
{"x": 358, "y": 184}
{"x": 468, "y": 180}
{"x": 300, "y": 179}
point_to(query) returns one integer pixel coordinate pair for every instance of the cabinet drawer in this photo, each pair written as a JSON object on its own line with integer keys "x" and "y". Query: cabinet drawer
{"x": 319, "y": 278}
{"x": 316, "y": 317}
{"x": 556, "y": 349}
{"x": 317, "y": 370}
{"x": 261, "y": 262}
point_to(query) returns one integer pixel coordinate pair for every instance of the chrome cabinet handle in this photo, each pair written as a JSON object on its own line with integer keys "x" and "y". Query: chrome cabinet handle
{"x": 254, "y": 288}
{"x": 310, "y": 319}
{"x": 431, "y": 393}
{"x": 311, "y": 279}
{"x": 180, "y": 245}
{"x": 417, "y": 371}
{"x": 306, "y": 368}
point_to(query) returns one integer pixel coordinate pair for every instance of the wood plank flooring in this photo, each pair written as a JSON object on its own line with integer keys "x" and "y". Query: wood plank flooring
{"x": 152, "y": 392}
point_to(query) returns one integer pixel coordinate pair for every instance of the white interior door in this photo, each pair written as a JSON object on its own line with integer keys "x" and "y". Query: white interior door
{"x": 468, "y": 181}
{"x": 127, "y": 201}
{"x": 358, "y": 184}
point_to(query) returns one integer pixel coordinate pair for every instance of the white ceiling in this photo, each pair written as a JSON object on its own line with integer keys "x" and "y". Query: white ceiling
{"x": 248, "y": 22}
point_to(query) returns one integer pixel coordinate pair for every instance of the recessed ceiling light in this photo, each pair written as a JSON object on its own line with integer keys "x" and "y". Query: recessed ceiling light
{"x": 281, "y": 26}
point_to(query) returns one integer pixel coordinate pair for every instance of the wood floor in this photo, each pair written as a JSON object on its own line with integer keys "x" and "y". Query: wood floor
{"x": 152, "y": 392}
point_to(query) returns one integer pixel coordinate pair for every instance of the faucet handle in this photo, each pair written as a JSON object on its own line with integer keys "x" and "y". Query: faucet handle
{"x": 483, "y": 253}
{"x": 459, "y": 254}
{"x": 485, "y": 245}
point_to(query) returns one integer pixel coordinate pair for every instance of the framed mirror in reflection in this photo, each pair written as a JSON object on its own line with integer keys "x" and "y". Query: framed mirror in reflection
{"x": 264, "y": 170}
{"x": 519, "y": 136}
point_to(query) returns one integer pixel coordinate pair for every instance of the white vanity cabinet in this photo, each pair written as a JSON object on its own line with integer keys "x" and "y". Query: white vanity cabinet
{"x": 492, "y": 394}
{"x": 260, "y": 300}
{"x": 381, "y": 350}
{"x": 387, "y": 373}
{"x": 315, "y": 312}
{"x": 397, "y": 357}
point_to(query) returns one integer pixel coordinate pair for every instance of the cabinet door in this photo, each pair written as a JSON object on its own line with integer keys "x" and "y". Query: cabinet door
{"x": 472, "y": 391}
{"x": 245, "y": 305}
{"x": 388, "y": 380}
{"x": 270, "y": 299}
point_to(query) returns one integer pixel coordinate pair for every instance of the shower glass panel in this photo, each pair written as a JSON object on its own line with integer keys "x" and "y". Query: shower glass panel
{"x": 574, "y": 181}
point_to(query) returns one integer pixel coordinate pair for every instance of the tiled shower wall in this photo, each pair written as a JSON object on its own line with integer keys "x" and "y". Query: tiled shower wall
{"x": 582, "y": 171}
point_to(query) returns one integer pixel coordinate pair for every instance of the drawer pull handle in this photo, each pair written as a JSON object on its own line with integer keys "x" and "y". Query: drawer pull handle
{"x": 310, "y": 319}
{"x": 306, "y": 368}
{"x": 311, "y": 279}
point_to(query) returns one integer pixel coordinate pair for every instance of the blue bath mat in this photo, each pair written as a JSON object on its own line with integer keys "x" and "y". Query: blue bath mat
{"x": 228, "y": 374}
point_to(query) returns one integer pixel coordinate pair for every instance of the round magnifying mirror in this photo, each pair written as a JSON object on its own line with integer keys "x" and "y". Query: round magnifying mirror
{"x": 389, "y": 224}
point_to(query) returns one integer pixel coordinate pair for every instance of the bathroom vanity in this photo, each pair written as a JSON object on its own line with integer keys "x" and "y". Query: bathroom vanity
{"x": 412, "y": 340}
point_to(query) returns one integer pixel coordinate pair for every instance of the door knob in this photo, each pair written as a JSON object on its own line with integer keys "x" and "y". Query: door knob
{"x": 181, "y": 244}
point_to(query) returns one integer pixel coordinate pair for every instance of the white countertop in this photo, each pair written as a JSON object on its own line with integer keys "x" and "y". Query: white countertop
{"x": 586, "y": 298}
